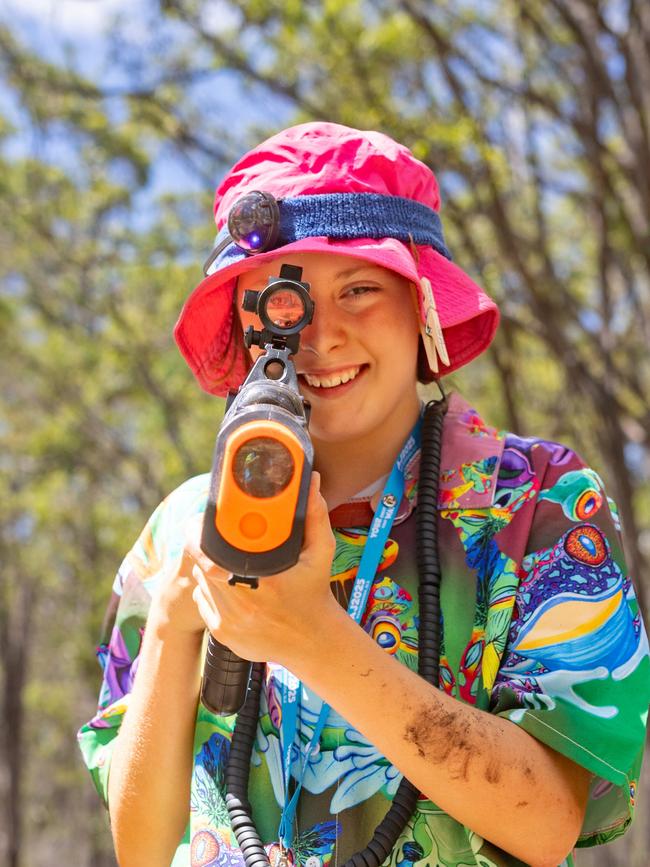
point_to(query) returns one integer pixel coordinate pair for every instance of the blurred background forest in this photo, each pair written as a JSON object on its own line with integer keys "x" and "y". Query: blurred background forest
{"x": 117, "y": 119}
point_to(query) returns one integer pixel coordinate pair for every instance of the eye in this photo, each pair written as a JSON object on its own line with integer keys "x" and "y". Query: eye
{"x": 587, "y": 545}
{"x": 387, "y": 634}
{"x": 588, "y": 502}
{"x": 359, "y": 291}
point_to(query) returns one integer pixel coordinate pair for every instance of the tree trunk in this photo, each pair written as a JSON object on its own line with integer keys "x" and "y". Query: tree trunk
{"x": 15, "y": 621}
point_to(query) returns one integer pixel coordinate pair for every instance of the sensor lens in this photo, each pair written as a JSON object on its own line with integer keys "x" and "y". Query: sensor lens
{"x": 263, "y": 467}
{"x": 254, "y": 221}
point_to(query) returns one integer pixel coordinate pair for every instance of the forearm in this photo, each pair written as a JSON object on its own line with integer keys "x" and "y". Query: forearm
{"x": 484, "y": 771}
{"x": 151, "y": 767}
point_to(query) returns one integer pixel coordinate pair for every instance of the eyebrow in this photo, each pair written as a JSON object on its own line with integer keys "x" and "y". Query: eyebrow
{"x": 347, "y": 272}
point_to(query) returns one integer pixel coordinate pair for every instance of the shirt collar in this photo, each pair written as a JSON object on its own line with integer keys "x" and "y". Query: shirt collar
{"x": 469, "y": 465}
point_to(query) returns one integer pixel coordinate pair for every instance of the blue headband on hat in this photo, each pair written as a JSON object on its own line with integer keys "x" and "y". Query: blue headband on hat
{"x": 343, "y": 216}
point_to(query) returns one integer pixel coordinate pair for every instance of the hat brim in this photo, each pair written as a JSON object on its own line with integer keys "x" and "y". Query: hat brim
{"x": 209, "y": 337}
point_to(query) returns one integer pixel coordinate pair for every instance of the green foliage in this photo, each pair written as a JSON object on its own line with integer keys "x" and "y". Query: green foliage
{"x": 531, "y": 116}
{"x": 100, "y": 418}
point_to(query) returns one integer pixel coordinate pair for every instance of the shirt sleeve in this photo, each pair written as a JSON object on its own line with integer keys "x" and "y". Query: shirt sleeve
{"x": 576, "y": 670}
{"x": 157, "y": 551}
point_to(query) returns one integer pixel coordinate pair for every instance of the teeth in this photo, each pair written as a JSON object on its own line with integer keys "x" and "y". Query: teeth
{"x": 333, "y": 379}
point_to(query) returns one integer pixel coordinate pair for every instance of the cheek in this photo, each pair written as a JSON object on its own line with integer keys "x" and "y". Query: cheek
{"x": 398, "y": 338}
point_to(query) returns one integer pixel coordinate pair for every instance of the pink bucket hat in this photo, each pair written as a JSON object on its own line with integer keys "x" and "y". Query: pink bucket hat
{"x": 345, "y": 191}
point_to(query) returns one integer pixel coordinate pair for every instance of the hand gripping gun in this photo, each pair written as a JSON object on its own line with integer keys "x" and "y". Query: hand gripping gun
{"x": 254, "y": 520}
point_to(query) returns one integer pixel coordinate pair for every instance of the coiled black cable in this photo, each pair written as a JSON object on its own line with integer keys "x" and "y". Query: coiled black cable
{"x": 403, "y": 804}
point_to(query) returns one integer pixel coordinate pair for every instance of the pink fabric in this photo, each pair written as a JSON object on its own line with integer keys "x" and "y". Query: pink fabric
{"x": 317, "y": 158}
{"x": 327, "y": 158}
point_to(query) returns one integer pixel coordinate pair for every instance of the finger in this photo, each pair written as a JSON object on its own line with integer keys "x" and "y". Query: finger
{"x": 193, "y": 532}
{"x": 202, "y": 585}
{"x": 210, "y": 615}
{"x": 198, "y": 574}
{"x": 215, "y": 576}
{"x": 317, "y": 523}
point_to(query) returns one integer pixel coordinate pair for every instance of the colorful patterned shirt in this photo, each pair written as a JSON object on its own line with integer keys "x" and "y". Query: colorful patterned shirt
{"x": 540, "y": 625}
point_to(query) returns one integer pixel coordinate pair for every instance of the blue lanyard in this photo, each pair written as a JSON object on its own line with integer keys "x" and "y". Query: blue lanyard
{"x": 291, "y": 686}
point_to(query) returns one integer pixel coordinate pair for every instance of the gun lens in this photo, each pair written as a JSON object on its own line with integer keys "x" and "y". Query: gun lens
{"x": 263, "y": 467}
{"x": 254, "y": 222}
{"x": 285, "y": 308}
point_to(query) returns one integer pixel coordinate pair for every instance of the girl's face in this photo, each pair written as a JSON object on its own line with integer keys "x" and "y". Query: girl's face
{"x": 357, "y": 361}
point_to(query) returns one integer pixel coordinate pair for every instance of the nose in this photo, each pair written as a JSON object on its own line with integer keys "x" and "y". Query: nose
{"x": 326, "y": 332}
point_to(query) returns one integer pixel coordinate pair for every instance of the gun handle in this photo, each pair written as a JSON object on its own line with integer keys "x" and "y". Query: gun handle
{"x": 225, "y": 679}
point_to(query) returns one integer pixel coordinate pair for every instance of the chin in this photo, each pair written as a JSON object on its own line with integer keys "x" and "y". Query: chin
{"x": 337, "y": 432}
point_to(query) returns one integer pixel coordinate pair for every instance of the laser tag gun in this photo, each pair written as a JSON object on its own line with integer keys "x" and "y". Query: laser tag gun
{"x": 254, "y": 521}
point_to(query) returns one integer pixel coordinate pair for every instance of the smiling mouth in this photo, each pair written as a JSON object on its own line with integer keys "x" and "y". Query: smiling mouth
{"x": 332, "y": 380}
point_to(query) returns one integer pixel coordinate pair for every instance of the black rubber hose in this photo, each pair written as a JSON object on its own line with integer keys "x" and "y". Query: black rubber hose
{"x": 237, "y": 773}
{"x": 426, "y": 533}
{"x": 403, "y": 805}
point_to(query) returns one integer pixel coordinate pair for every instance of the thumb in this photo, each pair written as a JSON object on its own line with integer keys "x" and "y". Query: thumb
{"x": 317, "y": 522}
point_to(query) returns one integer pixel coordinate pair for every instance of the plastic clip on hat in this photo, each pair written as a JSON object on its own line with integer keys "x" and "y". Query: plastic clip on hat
{"x": 332, "y": 189}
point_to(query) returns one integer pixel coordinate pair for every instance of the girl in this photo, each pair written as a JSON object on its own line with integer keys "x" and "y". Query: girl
{"x": 530, "y": 740}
